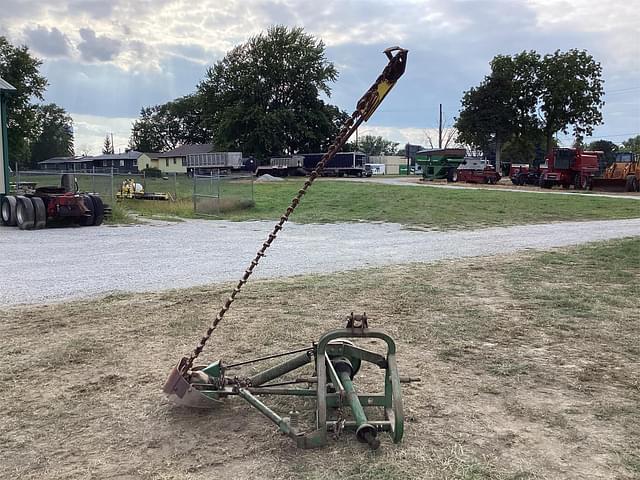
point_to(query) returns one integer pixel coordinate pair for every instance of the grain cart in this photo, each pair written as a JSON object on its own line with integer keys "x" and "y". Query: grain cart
{"x": 571, "y": 166}
{"x": 622, "y": 175}
{"x": 34, "y": 208}
{"x": 476, "y": 170}
{"x": 335, "y": 358}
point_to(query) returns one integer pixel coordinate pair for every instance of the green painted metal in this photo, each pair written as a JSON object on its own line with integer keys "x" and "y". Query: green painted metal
{"x": 280, "y": 369}
{"x": 213, "y": 370}
{"x": 436, "y": 163}
{"x": 5, "y": 146}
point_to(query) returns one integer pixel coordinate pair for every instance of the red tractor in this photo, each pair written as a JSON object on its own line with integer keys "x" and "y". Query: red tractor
{"x": 571, "y": 166}
{"x": 35, "y": 208}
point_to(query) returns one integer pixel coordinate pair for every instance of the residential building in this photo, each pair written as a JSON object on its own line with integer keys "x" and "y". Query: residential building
{"x": 127, "y": 162}
{"x": 176, "y": 160}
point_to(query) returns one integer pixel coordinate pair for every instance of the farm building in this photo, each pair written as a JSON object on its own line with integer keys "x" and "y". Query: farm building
{"x": 5, "y": 89}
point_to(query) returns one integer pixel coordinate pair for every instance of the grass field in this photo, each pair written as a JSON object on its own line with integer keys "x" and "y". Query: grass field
{"x": 529, "y": 365}
{"x": 332, "y": 201}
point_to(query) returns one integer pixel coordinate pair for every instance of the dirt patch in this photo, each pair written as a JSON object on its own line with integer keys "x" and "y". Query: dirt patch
{"x": 520, "y": 379}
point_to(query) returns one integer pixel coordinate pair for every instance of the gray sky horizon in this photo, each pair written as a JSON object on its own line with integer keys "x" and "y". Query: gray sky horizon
{"x": 106, "y": 60}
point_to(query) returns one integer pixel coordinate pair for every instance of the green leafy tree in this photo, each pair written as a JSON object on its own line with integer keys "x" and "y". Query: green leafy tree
{"x": 609, "y": 148}
{"x": 21, "y": 70}
{"x": 372, "y": 145}
{"x": 107, "y": 148}
{"x": 263, "y": 96}
{"x": 631, "y": 145}
{"x": 55, "y": 134}
{"x": 571, "y": 92}
{"x": 164, "y": 127}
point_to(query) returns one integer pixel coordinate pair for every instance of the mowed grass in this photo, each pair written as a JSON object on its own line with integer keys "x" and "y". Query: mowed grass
{"x": 529, "y": 366}
{"x": 334, "y": 201}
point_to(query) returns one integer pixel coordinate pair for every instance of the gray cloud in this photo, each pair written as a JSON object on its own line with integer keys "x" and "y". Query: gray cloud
{"x": 101, "y": 48}
{"x": 96, "y": 9}
{"x": 50, "y": 43}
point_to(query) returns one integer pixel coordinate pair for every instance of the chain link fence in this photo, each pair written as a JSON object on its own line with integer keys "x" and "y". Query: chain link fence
{"x": 212, "y": 194}
{"x": 217, "y": 193}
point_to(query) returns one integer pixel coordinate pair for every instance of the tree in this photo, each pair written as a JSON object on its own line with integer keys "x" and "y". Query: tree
{"x": 107, "y": 149}
{"x": 631, "y": 145}
{"x": 20, "y": 69}
{"x": 263, "y": 96}
{"x": 164, "y": 127}
{"x": 55, "y": 134}
{"x": 373, "y": 145}
{"x": 609, "y": 148}
{"x": 570, "y": 93}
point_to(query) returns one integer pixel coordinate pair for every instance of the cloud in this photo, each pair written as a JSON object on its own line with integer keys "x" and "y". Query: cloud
{"x": 89, "y": 132}
{"x": 100, "y": 48}
{"x": 95, "y": 9}
{"x": 50, "y": 43}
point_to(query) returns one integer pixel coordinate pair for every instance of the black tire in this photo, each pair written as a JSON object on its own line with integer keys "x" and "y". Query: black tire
{"x": 25, "y": 213}
{"x": 8, "y": 208}
{"x": 585, "y": 183}
{"x": 631, "y": 184}
{"x": 87, "y": 219}
{"x": 454, "y": 175}
{"x": 40, "y": 213}
{"x": 98, "y": 210}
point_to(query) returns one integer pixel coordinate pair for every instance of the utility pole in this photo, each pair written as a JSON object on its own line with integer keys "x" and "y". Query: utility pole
{"x": 439, "y": 129}
{"x": 113, "y": 150}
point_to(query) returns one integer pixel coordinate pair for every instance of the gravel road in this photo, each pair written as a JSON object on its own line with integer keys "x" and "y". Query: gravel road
{"x": 59, "y": 264}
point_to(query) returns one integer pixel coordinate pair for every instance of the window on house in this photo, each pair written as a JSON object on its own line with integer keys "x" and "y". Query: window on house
{"x": 174, "y": 161}
{"x": 167, "y": 162}
{"x": 122, "y": 163}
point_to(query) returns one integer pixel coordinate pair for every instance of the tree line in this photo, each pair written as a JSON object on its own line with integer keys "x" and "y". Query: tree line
{"x": 35, "y": 131}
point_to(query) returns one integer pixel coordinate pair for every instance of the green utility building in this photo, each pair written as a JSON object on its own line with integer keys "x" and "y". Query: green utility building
{"x": 5, "y": 89}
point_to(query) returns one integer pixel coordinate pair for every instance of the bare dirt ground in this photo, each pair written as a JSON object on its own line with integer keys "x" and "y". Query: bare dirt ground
{"x": 529, "y": 365}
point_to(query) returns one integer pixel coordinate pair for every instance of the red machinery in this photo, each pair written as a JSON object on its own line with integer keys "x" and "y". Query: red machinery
{"x": 35, "y": 208}
{"x": 571, "y": 166}
{"x": 476, "y": 170}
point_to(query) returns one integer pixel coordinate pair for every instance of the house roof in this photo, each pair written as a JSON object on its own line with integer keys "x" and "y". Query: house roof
{"x": 56, "y": 160}
{"x": 6, "y": 86}
{"x": 184, "y": 150}
{"x": 130, "y": 155}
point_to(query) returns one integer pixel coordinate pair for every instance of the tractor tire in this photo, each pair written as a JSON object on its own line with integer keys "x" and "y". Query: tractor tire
{"x": 98, "y": 210}
{"x": 8, "y": 208}
{"x": 453, "y": 175}
{"x": 631, "y": 184}
{"x": 40, "y": 213}
{"x": 25, "y": 213}
{"x": 88, "y": 219}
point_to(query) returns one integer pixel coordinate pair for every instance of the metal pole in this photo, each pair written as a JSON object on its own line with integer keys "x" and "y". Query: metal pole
{"x": 440, "y": 129}
{"x": 368, "y": 434}
{"x": 280, "y": 369}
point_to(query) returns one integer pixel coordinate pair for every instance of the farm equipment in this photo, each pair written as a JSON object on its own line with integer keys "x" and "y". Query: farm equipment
{"x": 524, "y": 174}
{"x": 440, "y": 163}
{"x": 336, "y": 360}
{"x": 132, "y": 189}
{"x": 34, "y": 208}
{"x": 622, "y": 175}
{"x": 571, "y": 166}
{"x": 476, "y": 170}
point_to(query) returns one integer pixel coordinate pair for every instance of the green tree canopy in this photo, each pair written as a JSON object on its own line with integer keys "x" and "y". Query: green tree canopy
{"x": 107, "y": 147}
{"x": 263, "y": 97}
{"x": 55, "y": 134}
{"x": 631, "y": 145}
{"x": 164, "y": 127}
{"x": 571, "y": 93}
{"x": 21, "y": 70}
{"x": 609, "y": 148}
{"x": 372, "y": 145}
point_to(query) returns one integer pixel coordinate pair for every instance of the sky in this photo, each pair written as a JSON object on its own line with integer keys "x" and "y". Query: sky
{"x": 106, "y": 59}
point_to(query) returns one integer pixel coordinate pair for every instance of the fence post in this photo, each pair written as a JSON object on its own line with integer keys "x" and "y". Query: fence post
{"x": 175, "y": 186}
{"x": 194, "y": 193}
{"x": 112, "y": 186}
{"x": 93, "y": 179}
{"x": 17, "y": 177}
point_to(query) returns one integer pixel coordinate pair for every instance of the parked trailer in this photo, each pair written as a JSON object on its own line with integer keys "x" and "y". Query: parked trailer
{"x": 36, "y": 208}
{"x": 571, "y": 166}
{"x": 343, "y": 163}
{"x": 283, "y": 167}
{"x": 476, "y": 170}
{"x": 203, "y": 163}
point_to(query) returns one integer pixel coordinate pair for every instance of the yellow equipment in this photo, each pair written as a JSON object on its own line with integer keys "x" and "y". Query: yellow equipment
{"x": 132, "y": 189}
{"x": 622, "y": 175}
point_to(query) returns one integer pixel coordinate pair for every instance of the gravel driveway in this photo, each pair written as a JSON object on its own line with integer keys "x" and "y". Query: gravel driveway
{"x": 58, "y": 264}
